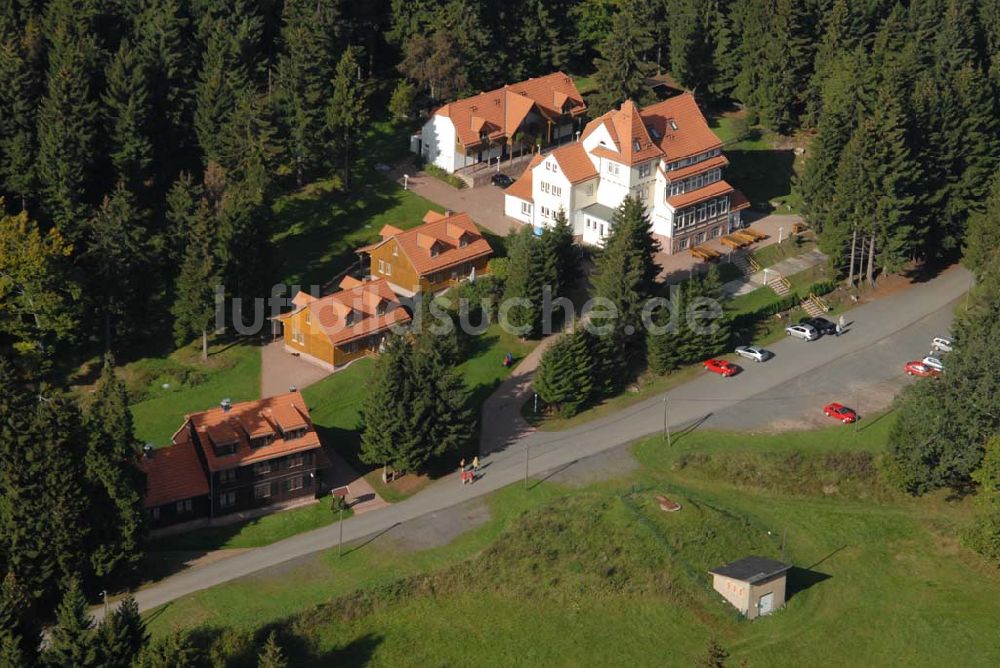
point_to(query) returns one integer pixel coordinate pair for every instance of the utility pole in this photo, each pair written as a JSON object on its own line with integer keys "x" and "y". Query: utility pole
{"x": 666, "y": 425}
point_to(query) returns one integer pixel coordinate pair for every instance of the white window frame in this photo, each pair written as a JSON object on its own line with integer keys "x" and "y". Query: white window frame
{"x": 296, "y": 461}
{"x": 292, "y": 486}
{"x": 645, "y": 169}
{"x": 262, "y": 491}
{"x": 262, "y": 468}
{"x": 526, "y": 208}
{"x": 227, "y": 499}
{"x": 545, "y": 187}
{"x": 557, "y": 191}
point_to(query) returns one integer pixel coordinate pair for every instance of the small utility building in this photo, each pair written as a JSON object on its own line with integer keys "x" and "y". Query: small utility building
{"x": 754, "y": 585}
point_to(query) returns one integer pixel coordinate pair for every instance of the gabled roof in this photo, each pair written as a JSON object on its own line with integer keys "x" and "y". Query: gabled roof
{"x": 574, "y": 162}
{"x": 274, "y": 416}
{"x": 498, "y": 113}
{"x": 354, "y": 312}
{"x": 672, "y": 129}
{"x": 521, "y": 188}
{"x": 437, "y": 245}
{"x": 752, "y": 569}
{"x": 173, "y": 473}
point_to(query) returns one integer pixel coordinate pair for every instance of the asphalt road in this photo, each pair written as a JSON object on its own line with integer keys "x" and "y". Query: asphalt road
{"x": 800, "y": 379}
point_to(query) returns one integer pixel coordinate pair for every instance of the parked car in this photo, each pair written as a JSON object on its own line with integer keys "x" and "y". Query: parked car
{"x": 933, "y": 362}
{"x": 840, "y": 412}
{"x": 821, "y": 325}
{"x": 918, "y": 368}
{"x": 501, "y": 179}
{"x": 722, "y": 367}
{"x": 754, "y": 353}
{"x": 941, "y": 344}
{"x": 804, "y": 332}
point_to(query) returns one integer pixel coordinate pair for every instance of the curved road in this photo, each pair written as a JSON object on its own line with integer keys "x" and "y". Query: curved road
{"x": 802, "y": 377}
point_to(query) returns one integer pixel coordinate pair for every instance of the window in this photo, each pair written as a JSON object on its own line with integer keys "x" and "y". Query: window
{"x": 525, "y": 208}
{"x": 642, "y": 193}
{"x": 546, "y": 212}
{"x": 381, "y": 266}
{"x": 223, "y": 449}
{"x": 717, "y": 232}
{"x": 545, "y": 187}
{"x": 184, "y": 506}
{"x": 227, "y": 500}
{"x": 557, "y": 191}
{"x": 673, "y": 124}
{"x": 294, "y": 483}
{"x": 682, "y": 244}
{"x": 308, "y": 316}
{"x": 388, "y": 269}
{"x": 602, "y": 229}
{"x": 262, "y": 491}
{"x": 295, "y": 461}
{"x": 613, "y": 168}
{"x": 702, "y": 212}
{"x": 711, "y": 208}
{"x": 645, "y": 169}
{"x": 261, "y": 468}
{"x": 698, "y": 238}
{"x": 723, "y": 205}
{"x": 590, "y": 189}
{"x": 463, "y": 242}
{"x": 395, "y": 250}
{"x": 228, "y": 476}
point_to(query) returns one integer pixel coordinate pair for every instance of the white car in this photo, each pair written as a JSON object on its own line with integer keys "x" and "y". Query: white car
{"x": 804, "y": 332}
{"x": 942, "y": 344}
{"x": 933, "y": 362}
{"x": 754, "y": 353}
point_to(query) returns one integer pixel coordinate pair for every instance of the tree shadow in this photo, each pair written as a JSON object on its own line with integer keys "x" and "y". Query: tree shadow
{"x": 689, "y": 429}
{"x": 762, "y": 175}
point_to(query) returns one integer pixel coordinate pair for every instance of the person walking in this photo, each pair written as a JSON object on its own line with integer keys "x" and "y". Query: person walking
{"x": 475, "y": 463}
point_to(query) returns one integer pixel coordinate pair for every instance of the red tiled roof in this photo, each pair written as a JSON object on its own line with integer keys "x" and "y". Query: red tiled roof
{"x": 360, "y": 302}
{"x": 521, "y": 188}
{"x": 173, "y": 474}
{"x": 644, "y": 134}
{"x": 701, "y": 194}
{"x": 444, "y": 237}
{"x": 719, "y": 161}
{"x": 575, "y": 163}
{"x": 265, "y": 416}
{"x": 500, "y": 112}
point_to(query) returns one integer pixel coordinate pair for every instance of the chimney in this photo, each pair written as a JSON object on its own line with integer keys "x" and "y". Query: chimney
{"x": 147, "y": 451}
{"x": 226, "y": 404}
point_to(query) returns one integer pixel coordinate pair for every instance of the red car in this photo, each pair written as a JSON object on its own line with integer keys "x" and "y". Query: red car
{"x": 722, "y": 367}
{"x": 918, "y": 368}
{"x": 840, "y": 412}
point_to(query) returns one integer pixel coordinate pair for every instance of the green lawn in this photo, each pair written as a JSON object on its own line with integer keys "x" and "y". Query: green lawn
{"x": 252, "y": 533}
{"x": 232, "y": 370}
{"x": 576, "y": 576}
{"x": 768, "y": 256}
{"x": 484, "y": 369}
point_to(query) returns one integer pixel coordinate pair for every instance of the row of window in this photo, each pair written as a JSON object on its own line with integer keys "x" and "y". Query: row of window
{"x": 701, "y": 212}
{"x": 695, "y": 182}
{"x": 592, "y": 224}
{"x": 683, "y": 244}
{"x": 180, "y": 508}
{"x": 548, "y": 188}
{"x": 385, "y": 268}
{"x": 264, "y": 490}
{"x": 684, "y": 162}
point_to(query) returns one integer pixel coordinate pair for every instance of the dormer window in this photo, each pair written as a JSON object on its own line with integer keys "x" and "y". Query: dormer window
{"x": 434, "y": 251}
{"x": 636, "y": 146}
{"x": 463, "y": 242}
{"x": 349, "y": 319}
{"x": 653, "y": 132}
{"x": 673, "y": 124}
{"x": 380, "y": 308}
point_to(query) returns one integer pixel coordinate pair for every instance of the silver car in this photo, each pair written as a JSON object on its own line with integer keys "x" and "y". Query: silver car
{"x": 802, "y": 331}
{"x": 754, "y": 353}
{"x": 933, "y": 362}
{"x": 942, "y": 344}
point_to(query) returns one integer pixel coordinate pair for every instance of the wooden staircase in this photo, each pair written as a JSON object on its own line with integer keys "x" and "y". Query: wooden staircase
{"x": 779, "y": 284}
{"x": 814, "y": 305}
{"x": 745, "y": 263}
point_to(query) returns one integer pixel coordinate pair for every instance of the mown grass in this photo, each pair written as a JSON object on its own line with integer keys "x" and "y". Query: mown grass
{"x": 232, "y": 370}
{"x": 768, "y": 256}
{"x": 569, "y": 576}
{"x": 253, "y": 533}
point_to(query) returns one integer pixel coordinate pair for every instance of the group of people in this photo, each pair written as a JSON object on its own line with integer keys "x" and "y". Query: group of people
{"x": 469, "y": 472}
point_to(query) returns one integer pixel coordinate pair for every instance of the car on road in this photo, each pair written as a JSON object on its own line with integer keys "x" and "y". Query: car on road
{"x": 840, "y": 412}
{"x": 821, "y": 325}
{"x": 919, "y": 369}
{"x": 502, "y": 180}
{"x": 754, "y": 353}
{"x": 933, "y": 362}
{"x": 722, "y": 367}
{"x": 941, "y": 344}
{"x": 804, "y": 332}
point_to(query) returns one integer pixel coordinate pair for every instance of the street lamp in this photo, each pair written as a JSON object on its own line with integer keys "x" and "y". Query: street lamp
{"x": 781, "y": 235}
{"x": 406, "y": 181}
{"x": 341, "y": 493}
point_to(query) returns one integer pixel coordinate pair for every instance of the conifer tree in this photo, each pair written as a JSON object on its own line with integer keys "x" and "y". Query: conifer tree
{"x": 983, "y": 535}
{"x": 271, "y": 655}
{"x": 387, "y": 438}
{"x": 662, "y": 346}
{"x": 403, "y": 98}
{"x": 250, "y": 147}
{"x": 981, "y": 246}
{"x": 347, "y": 115}
{"x": 622, "y": 67}
{"x": 121, "y": 635}
{"x": 174, "y": 651}
{"x": 18, "y": 103}
{"x": 560, "y": 256}
{"x": 116, "y": 484}
{"x": 19, "y": 631}
{"x": 563, "y": 379}
{"x": 525, "y": 277}
{"x": 72, "y": 641}
{"x": 303, "y": 79}
{"x": 194, "y": 303}
{"x": 126, "y": 104}
{"x": 181, "y": 207}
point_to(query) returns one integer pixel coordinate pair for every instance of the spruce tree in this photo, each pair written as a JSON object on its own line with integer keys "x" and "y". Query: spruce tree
{"x": 126, "y": 104}
{"x": 563, "y": 379}
{"x": 303, "y": 79}
{"x": 18, "y": 104}
{"x": 387, "y": 437}
{"x": 271, "y": 655}
{"x": 174, "y": 651}
{"x": 983, "y": 535}
{"x": 19, "y": 630}
{"x": 560, "y": 256}
{"x": 194, "y": 302}
{"x": 622, "y": 67}
{"x": 250, "y": 147}
{"x": 525, "y": 279}
{"x": 72, "y": 641}
{"x": 116, "y": 484}
{"x": 981, "y": 244}
{"x": 122, "y": 635}
{"x": 347, "y": 115}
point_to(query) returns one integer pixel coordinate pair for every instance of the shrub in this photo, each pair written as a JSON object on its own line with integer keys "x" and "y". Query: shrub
{"x": 442, "y": 175}
{"x": 821, "y": 288}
